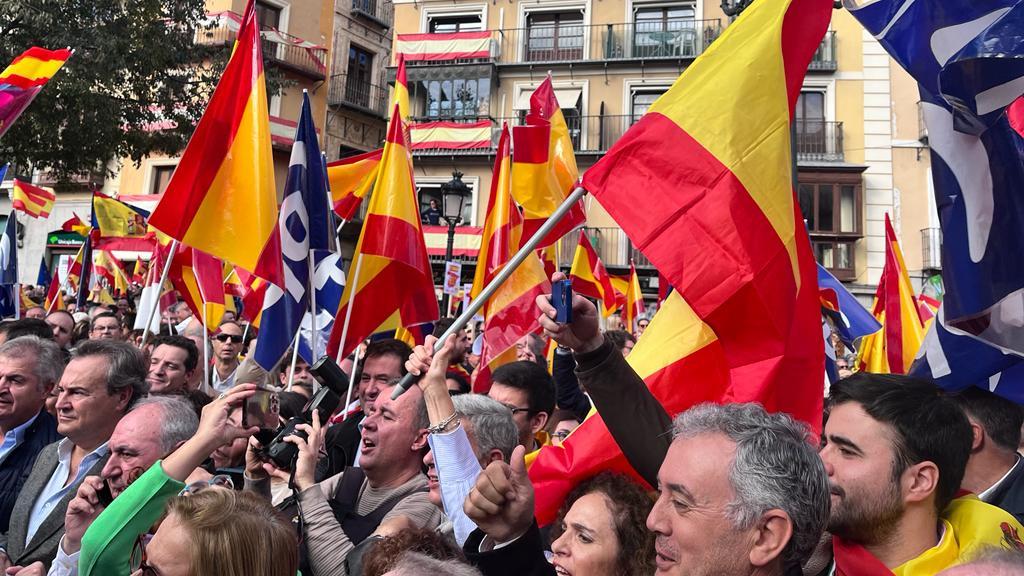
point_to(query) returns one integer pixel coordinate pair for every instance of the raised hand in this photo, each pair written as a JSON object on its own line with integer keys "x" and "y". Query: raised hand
{"x": 583, "y": 334}
{"x": 501, "y": 502}
{"x": 81, "y": 511}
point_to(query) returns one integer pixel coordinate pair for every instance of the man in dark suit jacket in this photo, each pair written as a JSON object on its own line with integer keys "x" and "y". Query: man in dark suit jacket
{"x": 995, "y": 471}
{"x": 29, "y": 368}
{"x": 101, "y": 382}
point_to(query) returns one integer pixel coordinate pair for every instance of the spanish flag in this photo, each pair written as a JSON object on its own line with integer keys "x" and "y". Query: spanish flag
{"x": 390, "y": 269}
{"x": 54, "y": 297}
{"x": 109, "y": 268}
{"x": 209, "y": 274}
{"x": 400, "y": 94}
{"x": 544, "y": 169}
{"x": 351, "y": 179}
{"x": 182, "y": 276}
{"x": 634, "y": 301}
{"x": 139, "y": 271}
{"x": 119, "y": 226}
{"x": 222, "y": 198}
{"x": 713, "y": 155}
{"x": 75, "y": 224}
{"x": 892, "y": 349}
{"x": 24, "y": 78}
{"x": 32, "y": 200}
{"x": 590, "y": 278}
{"x": 511, "y": 312}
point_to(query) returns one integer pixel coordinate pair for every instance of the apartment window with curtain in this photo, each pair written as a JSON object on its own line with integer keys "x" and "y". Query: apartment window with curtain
{"x": 453, "y": 99}
{"x": 831, "y": 204}
{"x": 554, "y": 36}
{"x": 665, "y": 31}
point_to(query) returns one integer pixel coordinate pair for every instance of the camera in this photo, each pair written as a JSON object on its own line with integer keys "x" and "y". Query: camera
{"x": 335, "y": 384}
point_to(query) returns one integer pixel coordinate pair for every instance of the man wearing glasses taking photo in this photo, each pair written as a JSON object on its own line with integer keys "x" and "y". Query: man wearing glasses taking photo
{"x": 227, "y": 343}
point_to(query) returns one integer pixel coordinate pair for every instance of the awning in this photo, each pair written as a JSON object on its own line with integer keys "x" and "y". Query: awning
{"x": 567, "y": 98}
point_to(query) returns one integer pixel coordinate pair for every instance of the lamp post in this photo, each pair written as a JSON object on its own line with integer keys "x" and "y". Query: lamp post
{"x": 453, "y": 194}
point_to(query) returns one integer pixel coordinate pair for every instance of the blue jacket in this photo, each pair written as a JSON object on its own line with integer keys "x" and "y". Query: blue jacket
{"x": 18, "y": 464}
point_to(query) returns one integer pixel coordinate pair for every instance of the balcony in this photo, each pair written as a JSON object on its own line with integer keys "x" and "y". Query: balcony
{"x": 825, "y": 59}
{"x": 279, "y": 48}
{"x": 819, "y": 141}
{"x": 378, "y": 12}
{"x": 685, "y": 39}
{"x": 356, "y": 93}
{"x": 589, "y": 134}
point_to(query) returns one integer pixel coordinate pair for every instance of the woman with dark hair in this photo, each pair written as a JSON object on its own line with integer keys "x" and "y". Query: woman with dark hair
{"x": 601, "y": 529}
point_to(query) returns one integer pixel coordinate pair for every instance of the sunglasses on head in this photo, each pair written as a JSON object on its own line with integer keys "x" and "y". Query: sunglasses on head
{"x": 225, "y": 337}
{"x": 222, "y": 480}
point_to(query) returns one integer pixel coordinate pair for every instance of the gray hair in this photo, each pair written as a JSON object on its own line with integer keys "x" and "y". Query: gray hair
{"x": 416, "y": 564}
{"x": 491, "y": 424}
{"x": 126, "y": 367}
{"x": 776, "y": 467}
{"x": 178, "y": 420}
{"x": 49, "y": 362}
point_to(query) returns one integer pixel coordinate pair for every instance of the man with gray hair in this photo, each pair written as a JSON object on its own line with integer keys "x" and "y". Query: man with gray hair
{"x": 29, "y": 368}
{"x": 99, "y": 385}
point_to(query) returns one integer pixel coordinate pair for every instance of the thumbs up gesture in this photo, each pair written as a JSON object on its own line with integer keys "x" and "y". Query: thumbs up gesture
{"x": 501, "y": 503}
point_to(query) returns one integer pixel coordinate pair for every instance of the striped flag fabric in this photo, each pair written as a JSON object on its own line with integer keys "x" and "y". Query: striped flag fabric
{"x": 400, "y": 93}
{"x": 892, "y": 350}
{"x": 35, "y": 201}
{"x": 440, "y": 47}
{"x": 633, "y": 298}
{"x": 544, "y": 168}
{"x": 119, "y": 226}
{"x": 329, "y": 283}
{"x": 139, "y": 271}
{"x": 743, "y": 321}
{"x": 849, "y": 317}
{"x": 54, "y": 297}
{"x": 444, "y": 135}
{"x": 351, "y": 179}
{"x": 153, "y": 293}
{"x": 209, "y": 278}
{"x": 511, "y": 311}
{"x": 75, "y": 224}
{"x": 590, "y": 278}
{"x": 223, "y": 188}
{"x": 24, "y": 78}
{"x": 390, "y": 269}
{"x": 304, "y": 225}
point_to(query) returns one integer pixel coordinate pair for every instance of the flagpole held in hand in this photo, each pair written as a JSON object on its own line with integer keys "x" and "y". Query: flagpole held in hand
{"x": 295, "y": 356}
{"x": 525, "y": 252}
{"x": 163, "y": 278}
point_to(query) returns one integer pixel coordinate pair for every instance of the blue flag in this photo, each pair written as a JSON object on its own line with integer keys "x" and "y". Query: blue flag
{"x": 329, "y": 279}
{"x": 86, "y": 278}
{"x": 9, "y": 269}
{"x": 851, "y": 320}
{"x": 966, "y": 57}
{"x": 304, "y": 225}
{"x": 3, "y": 171}
{"x": 44, "y": 273}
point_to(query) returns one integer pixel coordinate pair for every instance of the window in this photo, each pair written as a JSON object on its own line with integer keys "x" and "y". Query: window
{"x": 428, "y": 191}
{"x": 665, "y": 31}
{"x": 451, "y": 24}
{"x": 357, "y": 84}
{"x": 456, "y": 98}
{"x": 642, "y": 100}
{"x": 554, "y": 36}
{"x": 831, "y": 207}
{"x": 810, "y": 123}
{"x": 161, "y": 177}
{"x": 268, "y": 15}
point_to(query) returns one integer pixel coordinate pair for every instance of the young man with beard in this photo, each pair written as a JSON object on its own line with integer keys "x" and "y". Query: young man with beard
{"x": 895, "y": 451}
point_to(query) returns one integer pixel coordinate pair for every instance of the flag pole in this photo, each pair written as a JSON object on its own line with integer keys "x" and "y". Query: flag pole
{"x": 314, "y": 336}
{"x": 295, "y": 356}
{"x": 348, "y": 309}
{"x": 351, "y": 384}
{"x": 503, "y": 275}
{"x": 160, "y": 287}
{"x": 206, "y": 351}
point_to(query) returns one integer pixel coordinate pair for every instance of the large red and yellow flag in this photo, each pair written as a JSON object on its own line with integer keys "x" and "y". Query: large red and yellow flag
{"x": 109, "y": 268}
{"x": 400, "y": 94}
{"x": 590, "y": 278}
{"x": 633, "y": 301}
{"x": 512, "y": 311}
{"x": 222, "y": 198}
{"x": 182, "y": 276}
{"x": 24, "y": 78}
{"x": 891, "y": 350}
{"x": 390, "y": 271}
{"x": 209, "y": 273}
{"x": 35, "y": 201}
{"x": 351, "y": 179}
{"x": 714, "y": 155}
{"x": 544, "y": 169}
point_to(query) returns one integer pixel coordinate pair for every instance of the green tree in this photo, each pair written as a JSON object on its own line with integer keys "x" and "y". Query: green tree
{"x": 137, "y": 65}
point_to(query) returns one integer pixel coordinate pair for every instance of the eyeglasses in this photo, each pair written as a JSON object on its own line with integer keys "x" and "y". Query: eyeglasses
{"x": 225, "y": 337}
{"x": 562, "y": 434}
{"x": 515, "y": 409}
{"x": 222, "y": 480}
{"x": 137, "y": 561}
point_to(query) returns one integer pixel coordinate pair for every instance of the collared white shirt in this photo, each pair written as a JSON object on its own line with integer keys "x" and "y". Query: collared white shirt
{"x": 59, "y": 483}
{"x": 14, "y": 437}
{"x": 987, "y": 494}
{"x": 225, "y": 384}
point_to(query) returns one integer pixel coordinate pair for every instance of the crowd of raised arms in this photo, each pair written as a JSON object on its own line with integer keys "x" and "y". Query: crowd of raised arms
{"x": 123, "y": 454}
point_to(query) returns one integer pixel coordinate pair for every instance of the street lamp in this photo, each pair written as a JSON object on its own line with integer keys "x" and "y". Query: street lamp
{"x": 453, "y": 194}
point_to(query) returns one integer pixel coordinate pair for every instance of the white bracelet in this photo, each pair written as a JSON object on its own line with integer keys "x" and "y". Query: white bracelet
{"x": 441, "y": 426}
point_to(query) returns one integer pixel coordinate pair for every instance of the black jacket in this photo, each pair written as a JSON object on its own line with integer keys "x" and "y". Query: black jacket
{"x": 16, "y": 467}
{"x": 341, "y": 442}
{"x": 522, "y": 557}
{"x": 1010, "y": 494}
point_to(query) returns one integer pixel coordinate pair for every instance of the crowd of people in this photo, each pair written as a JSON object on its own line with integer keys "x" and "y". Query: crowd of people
{"x": 124, "y": 454}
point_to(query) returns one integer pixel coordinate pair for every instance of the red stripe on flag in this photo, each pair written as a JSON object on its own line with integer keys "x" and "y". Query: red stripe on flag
{"x": 498, "y": 338}
{"x": 448, "y": 36}
{"x": 382, "y": 237}
{"x": 800, "y": 43}
{"x": 532, "y": 143}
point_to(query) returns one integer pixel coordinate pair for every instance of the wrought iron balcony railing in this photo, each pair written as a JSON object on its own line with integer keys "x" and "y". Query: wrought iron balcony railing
{"x": 357, "y": 93}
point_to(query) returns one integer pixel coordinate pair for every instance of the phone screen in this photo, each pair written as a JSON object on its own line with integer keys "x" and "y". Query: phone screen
{"x": 261, "y": 409}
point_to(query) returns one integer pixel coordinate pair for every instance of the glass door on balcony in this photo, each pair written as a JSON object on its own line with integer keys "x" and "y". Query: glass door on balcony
{"x": 268, "y": 16}
{"x": 810, "y": 123}
{"x": 452, "y": 24}
{"x": 357, "y": 83}
{"x": 667, "y": 31}
{"x": 642, "y": 101}
{"x": 554, "y": 36}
